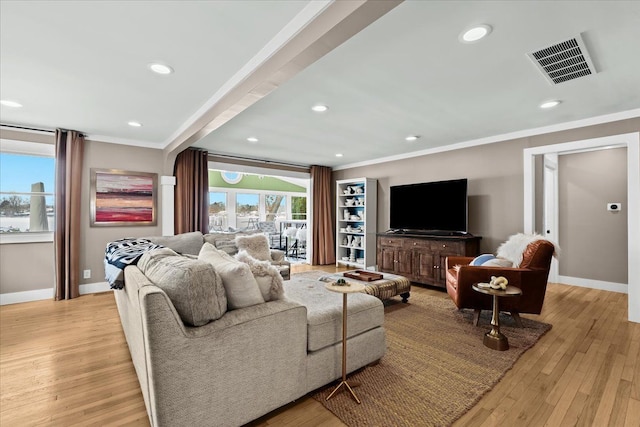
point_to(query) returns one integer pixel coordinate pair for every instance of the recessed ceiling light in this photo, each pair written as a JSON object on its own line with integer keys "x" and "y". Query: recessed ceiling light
{"x": 12, "y": 104}
{"x": 319, "y": 108}
{"x": 158, "y": 68}
{"x": 549, "y": 104}
{"x": 474, "y": 34}
{"x": 339, "y": 155}
{"x": 135, "y": 124}
{"x": 252, "y": 139}
{"x": 412, "y": 137}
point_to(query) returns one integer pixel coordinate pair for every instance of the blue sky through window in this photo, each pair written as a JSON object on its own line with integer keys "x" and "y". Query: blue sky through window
{"x": 18, "y": 172}
{"x": 242, "y": 199}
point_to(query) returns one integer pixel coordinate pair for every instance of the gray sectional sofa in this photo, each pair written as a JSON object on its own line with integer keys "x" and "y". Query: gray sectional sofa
{"x": 250, "y": 360}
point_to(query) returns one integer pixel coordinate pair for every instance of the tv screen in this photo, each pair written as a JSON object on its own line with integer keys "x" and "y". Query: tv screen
{"x": 429, "y": 207}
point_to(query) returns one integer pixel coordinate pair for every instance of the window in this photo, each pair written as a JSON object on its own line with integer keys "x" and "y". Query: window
{"x": 298, "y": 207}
{"x": 254, "y": 198}
{"x": 218, "y": 211}
{"x": 27, "y": 172}
{"x": 247, "y": 210}
{"x": 275, "y": 207}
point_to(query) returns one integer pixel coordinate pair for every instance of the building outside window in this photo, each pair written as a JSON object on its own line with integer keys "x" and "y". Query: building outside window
{"x": 241, "y": 200}
{"x": 27, "y": 173}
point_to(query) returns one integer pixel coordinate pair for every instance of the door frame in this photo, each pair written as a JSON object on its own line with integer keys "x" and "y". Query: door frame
{"x": 632, "y": 143}
{"x": 550, "y": 209}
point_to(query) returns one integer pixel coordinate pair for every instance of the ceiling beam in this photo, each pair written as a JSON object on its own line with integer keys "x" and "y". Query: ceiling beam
{"x": 332, "y": 26}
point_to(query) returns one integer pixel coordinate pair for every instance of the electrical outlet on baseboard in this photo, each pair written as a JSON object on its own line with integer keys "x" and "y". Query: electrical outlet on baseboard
{"x": 86, "y": 274}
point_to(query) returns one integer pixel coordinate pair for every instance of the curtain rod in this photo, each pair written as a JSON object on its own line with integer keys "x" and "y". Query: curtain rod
{"x": 25, "y": 128}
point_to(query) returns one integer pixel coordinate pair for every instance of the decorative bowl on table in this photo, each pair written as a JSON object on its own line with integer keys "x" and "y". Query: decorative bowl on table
{"x": 340, "y": 282}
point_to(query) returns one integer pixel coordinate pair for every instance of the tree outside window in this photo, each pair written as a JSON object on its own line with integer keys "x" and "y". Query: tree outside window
{"x": 275, "y": 207}
{"x": 298, "y": 207}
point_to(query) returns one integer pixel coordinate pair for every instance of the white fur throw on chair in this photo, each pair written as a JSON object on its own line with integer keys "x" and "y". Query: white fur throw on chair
{"x": 514, "y": 247}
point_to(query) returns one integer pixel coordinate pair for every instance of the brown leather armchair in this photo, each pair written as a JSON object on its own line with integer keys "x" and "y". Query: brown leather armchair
{"x": 530, "y": 276}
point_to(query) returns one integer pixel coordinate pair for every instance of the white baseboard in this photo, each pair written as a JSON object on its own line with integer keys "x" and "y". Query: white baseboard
{"x": 93, "y": 288}
{"x": 42, "y": 294}
{"x": 594, "y": 284}
{"x": 26, "y": 296}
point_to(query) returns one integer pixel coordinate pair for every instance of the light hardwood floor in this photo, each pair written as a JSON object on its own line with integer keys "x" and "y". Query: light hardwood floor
{"x": 66, "y": 363}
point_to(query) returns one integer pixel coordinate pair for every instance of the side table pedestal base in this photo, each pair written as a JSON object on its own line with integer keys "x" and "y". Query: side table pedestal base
{"x": 348, "y": 387}
{"x": 496, "y": 341}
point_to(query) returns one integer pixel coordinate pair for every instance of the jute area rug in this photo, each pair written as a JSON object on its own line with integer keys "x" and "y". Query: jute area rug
{"x": 435, "y": 368}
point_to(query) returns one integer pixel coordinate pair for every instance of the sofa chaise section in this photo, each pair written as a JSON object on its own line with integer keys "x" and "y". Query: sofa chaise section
{"x": 228, "y": 372}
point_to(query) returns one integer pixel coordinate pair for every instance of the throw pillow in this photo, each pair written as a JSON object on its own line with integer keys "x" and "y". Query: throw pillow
{"x": 238, "y": 281}
{"x": 481, "y": 259}
{"x": 224, "y": 240}
{"x": 490, "y": 260}
{"x": 256, "y": 245}
{"x": 268, "y": 277}
{"x": 498, "y": 262}
{"x": 193, "y": 286}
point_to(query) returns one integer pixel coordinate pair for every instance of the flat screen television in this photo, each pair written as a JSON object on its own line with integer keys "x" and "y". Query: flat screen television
{"x": 429, "y": 207}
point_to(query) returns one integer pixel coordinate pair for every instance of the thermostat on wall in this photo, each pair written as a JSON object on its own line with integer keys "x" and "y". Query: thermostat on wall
{"x": 614, "y": 207}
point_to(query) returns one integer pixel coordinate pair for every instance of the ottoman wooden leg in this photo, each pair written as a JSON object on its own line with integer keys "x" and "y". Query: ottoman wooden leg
{"x": 405, "y": 296}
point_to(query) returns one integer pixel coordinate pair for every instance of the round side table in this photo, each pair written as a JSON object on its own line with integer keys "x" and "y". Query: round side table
{"x": 494, "y": 339}
{"x": 344, "y": 290}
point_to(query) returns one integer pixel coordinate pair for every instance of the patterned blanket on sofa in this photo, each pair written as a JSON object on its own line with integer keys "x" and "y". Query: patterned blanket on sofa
{"x": 121, "y": 253}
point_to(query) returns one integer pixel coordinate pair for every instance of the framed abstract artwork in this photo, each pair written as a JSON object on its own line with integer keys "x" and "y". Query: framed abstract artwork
{"x": 123, "y": 198}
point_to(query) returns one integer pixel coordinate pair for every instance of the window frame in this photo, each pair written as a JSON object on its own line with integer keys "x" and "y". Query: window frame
{"x": 34, "y": 149}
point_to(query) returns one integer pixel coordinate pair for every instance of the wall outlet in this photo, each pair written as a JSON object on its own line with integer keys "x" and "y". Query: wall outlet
{"x": 614, "y": 207}
{"x": 86, "y": 274}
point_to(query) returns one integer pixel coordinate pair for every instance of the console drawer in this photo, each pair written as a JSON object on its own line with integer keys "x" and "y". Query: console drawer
{"x": 447, "y": 246}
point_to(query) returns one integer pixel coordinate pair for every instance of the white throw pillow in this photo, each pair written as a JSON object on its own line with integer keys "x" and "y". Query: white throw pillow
{"x": 238, "y": 281}
{"x": 498, "y": 262}
{"x": 256, "y": 245}
{"x": 268, "y": 277}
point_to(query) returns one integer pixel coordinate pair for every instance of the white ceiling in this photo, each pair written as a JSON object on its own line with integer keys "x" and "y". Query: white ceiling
{"x": 83, "y": 65}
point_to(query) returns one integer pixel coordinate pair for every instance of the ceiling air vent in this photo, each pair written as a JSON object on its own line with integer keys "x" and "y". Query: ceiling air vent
{"x": 567, "y": 60}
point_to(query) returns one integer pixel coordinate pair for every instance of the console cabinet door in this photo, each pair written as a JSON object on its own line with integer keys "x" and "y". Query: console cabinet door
{"x": 404, "y": 262}
{"x": 424, "y": 263}
{"x": 386, "y": 259}
{"x": 443, "y": 249}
